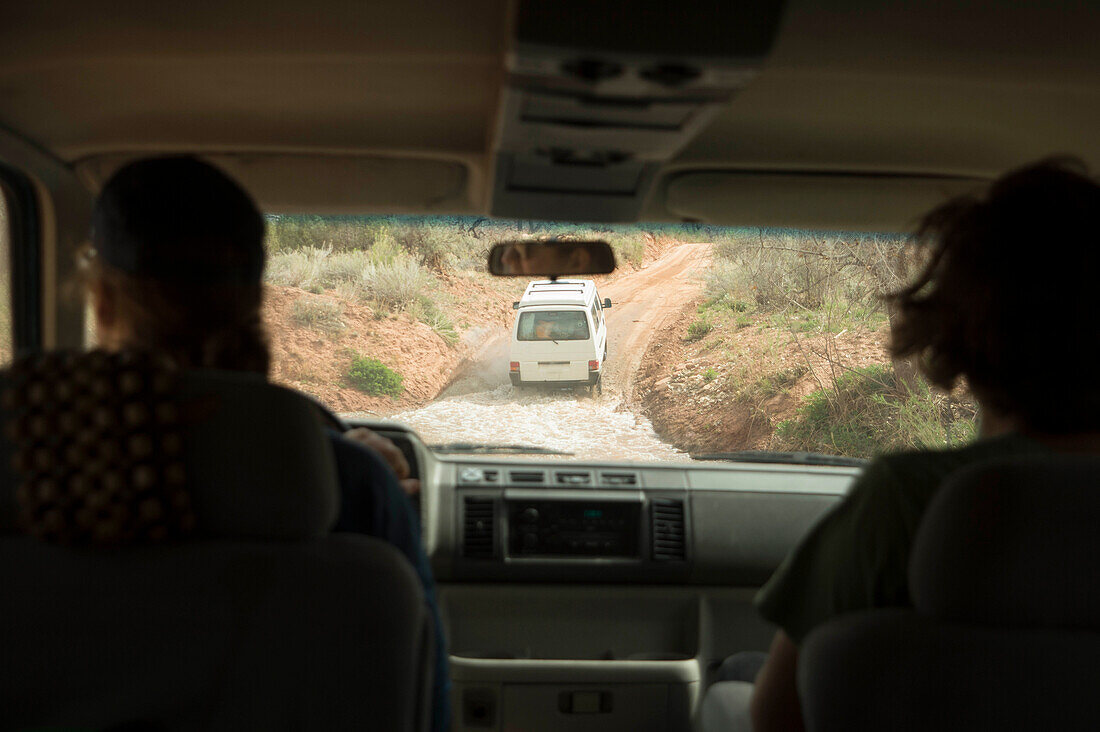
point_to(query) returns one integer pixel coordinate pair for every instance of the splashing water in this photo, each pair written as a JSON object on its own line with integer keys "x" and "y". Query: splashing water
{"x": 590, "y": 428}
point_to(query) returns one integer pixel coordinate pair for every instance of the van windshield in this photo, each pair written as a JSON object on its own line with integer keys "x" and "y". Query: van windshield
{"x": 553, "y": 325}
{"x": 717, "y": 340}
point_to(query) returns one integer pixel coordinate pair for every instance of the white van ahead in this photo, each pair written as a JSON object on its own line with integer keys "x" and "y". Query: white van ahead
{"x": 559, "y": 337}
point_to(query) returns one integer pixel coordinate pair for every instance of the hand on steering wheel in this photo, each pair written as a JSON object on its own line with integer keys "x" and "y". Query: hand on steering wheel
{"x": 390, "y": 453}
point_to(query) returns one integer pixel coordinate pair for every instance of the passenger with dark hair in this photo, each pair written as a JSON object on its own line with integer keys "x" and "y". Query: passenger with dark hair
{"x": 176, "y": 267}
{"x": 999, "y": 304}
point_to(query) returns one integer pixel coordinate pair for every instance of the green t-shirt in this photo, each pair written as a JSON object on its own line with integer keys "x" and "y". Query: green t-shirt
{"x": 857, "y": 556}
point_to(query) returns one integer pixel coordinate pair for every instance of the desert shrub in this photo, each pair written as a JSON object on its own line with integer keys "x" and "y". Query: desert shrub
{"x": 427, "y": 245}
{"x": 627, "y": 248}
{"x": 782, "y": 270}
{"x": 395, "y": 285}
{"x": 340, "y": 233}
{"x": 297, "y": 268}
{"x": 374, "y": 377}
{"x": 869, "y": 412}
{"x": 781, "y": 381}
{"x": 426, "y": 311}
{"x": 338, "y": 267}
{"x": 322, "y": 315}
{"x": 710, "y": 374}
{"x": 699, "y": 328}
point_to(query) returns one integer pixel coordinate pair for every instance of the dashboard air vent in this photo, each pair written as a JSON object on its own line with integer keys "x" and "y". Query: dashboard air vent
{"x": 527, "y": 476}
{"x": 618, "y": 479}
{"x": 667, "y": 522}
{"x": 573, "y": 477}
{"x": 490, "y": 475}
{"x": 479, "y": 528}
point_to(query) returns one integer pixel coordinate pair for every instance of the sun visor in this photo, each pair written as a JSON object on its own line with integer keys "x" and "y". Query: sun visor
{"x": 887, "y": 203}
{"x": 329, "y": 184}
{"x": 600, "y": 95}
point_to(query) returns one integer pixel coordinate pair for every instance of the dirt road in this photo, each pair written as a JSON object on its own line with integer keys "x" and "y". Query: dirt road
{"x": 642, "y": 302}
{"x": 482, "y": 407}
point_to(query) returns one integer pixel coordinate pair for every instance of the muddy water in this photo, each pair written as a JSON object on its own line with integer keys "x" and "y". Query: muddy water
{"x": 590, "y": 428}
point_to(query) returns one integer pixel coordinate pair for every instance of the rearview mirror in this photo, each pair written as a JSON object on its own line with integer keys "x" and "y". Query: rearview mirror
{"x": 553, "y": 258}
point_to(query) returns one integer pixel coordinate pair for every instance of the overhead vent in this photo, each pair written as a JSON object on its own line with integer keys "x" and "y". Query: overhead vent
{"x": 592, "y": 109}
{"x": 479, "y": 528}
{"x": 527, "y": 477}
{"x": 619, "y": 479}
{"x": 573, "y": 477}
{"x": 667, "y": 530}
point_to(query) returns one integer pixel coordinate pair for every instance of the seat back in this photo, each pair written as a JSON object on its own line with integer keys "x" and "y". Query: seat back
{"x": 256, "y": 619}
{"x": 1006, "y": 626}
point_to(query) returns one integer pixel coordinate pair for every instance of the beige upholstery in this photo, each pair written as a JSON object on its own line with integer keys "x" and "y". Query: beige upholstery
{"x": 1006, "y": 631}
{"x": 261, "y": 621}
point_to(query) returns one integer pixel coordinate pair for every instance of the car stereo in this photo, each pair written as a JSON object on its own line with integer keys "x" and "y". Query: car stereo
{"x": 608, "y": 526}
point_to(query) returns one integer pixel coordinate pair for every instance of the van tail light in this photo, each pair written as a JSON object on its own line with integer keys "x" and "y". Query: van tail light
{"x": 593, "y": 365}
{"x": 514, "y": 366}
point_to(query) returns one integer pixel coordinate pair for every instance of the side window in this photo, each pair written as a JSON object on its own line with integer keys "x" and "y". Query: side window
{"x": 5, "y": 282}
{"x": 595, "y": 317}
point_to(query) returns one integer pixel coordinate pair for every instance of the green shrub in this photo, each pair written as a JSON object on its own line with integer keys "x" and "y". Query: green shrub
{"x": 869, "y": 412}
{"x": 780, "y": 382}
{"x": 699, "y": 328}
{"x": 374, "y": 377}
{"x": 710, "y": 374}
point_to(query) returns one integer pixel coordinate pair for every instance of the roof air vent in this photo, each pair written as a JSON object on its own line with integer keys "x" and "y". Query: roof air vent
{"x": 667, "y": 521}
{"x": 479, "y": 528}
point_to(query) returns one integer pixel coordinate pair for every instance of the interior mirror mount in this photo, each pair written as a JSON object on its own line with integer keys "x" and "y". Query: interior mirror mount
{"x": 551, "y": 258}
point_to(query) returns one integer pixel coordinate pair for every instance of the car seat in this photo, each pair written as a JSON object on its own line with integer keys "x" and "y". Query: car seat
{"x": 1005, "y": 633}
{"x": 242, "y": 612}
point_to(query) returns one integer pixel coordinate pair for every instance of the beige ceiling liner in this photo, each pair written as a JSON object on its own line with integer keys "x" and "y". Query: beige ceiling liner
{"x": 330, "y": 184}
{"x": 829, "y": 202}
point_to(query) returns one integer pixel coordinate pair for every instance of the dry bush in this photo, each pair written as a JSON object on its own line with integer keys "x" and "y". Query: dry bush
{"x": 322, "y": 315}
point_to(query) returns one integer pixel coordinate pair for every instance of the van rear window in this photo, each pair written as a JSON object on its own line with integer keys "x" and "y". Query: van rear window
{"x": 553, "y": 325}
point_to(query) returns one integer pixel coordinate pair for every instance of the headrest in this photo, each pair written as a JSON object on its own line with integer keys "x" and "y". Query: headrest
{"x": 256, "y": 462}
{"x": 1013, "y": 543}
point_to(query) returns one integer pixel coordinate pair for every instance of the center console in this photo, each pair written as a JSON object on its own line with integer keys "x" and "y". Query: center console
{"x": 580, "y": 524}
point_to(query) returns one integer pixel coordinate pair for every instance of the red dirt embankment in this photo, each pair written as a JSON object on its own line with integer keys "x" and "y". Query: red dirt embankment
{"x": 729, "y": 390}
{"x": 316, "y": 361}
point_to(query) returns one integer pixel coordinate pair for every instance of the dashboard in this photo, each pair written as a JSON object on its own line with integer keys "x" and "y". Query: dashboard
{"x": 587, "y": 595}
{"x": 545, "y": 518}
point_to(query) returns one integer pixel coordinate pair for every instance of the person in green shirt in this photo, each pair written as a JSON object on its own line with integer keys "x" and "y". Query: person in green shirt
{"x": 1005, "y": 302}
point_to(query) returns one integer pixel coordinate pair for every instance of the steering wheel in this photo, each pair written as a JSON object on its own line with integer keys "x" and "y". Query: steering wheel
{"x": 340, "y": 426}
{"x": 328, "y": 416}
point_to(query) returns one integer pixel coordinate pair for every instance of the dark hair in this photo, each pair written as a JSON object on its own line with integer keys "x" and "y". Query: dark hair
{"x": 180, "y": 247}
{"x": 1004, "y": 299}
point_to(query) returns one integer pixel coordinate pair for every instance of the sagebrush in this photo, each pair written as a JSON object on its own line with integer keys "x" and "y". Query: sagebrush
{"x": 373, "y": 377}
